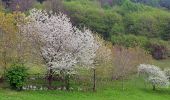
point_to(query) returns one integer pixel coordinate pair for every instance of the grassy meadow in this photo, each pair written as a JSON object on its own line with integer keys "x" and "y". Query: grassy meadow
{"x": 135, "y": 88}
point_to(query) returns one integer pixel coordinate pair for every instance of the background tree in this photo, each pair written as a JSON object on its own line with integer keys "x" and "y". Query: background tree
{"x": 125, "y": 61}
{"x": 19, "y": 5}
{"x": 13, "y": 47}
{"x": 166, "y": 34}
{"x": 8, "y": 31}
{"x": 41, "y": 1}
{"x": 155, "y": 3}
{"x": 102, "y": 60}
{"x": 54, "y": 5}
{"x": 165, "y": 3}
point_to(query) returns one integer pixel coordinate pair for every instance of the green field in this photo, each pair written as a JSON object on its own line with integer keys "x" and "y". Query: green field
{"x": 135, "y": 89}
{"x": 162, "y": 63}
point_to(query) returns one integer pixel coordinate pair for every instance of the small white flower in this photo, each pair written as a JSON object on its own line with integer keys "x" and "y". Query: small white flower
{"x": 59, "y": 88}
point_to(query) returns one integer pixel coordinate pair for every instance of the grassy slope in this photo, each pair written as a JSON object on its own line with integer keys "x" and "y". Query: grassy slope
{"x": 162, "y": 63}
{"x": 135, "y": 90}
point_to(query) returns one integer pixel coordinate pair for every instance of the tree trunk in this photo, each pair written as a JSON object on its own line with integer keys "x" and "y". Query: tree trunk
{"x": 5, "y": 63}
{"x": 50, "y": 79}
{"x": 154, "y": 87}
{"x": 94, "y": 79}
{"x": 67, "y": 82}
{"x": 123, "y": 83}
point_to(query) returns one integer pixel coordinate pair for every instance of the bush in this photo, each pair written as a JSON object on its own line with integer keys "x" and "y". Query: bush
{"x": 158, "y": 48}
{"x": 129, "y": 40}
{"x": 16, "y": 76}
{"x": 166, "y": 32}
{"x": 128, "y": 6}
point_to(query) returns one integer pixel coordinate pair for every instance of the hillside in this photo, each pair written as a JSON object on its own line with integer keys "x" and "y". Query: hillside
{"x": 107, "y": 17}
{"x": 125, "y": 18}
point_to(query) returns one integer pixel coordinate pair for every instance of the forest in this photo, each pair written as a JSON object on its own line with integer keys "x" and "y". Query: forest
{"x": 84, "y": 49}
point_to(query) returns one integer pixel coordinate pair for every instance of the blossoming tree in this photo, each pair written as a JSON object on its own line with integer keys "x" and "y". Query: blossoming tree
{"x": 154, "y": 74}
{"x": 61, "y": 45}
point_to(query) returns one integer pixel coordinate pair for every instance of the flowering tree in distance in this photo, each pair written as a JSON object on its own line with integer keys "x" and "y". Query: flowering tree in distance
{"x": 155, "y": 75}
{"x": 61, "y": 45}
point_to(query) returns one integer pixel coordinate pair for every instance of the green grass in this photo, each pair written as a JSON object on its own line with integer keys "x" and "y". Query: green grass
{"x": 162, "y": 63}
{"x": 135, "y": 89}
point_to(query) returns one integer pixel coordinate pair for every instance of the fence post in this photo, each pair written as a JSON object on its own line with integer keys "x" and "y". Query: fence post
{"x": 94, "y": 79}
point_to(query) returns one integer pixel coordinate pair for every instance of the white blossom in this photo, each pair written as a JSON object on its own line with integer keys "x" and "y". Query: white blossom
{"x": 62, "y": 45}
{"x": 167, "y": 72}
{"x": 154, "y": 74}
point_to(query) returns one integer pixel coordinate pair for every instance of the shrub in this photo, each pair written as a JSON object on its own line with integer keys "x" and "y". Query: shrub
{"x": 129, "y": 6}
{"x": 16, "y": 76}
{"x": 166, "y": 32}
{"x": 129, "y": 40}
{"x": 158, "y": 48}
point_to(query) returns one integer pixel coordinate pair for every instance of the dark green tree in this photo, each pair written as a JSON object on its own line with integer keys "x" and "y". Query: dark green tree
{"x": 166, "y": 34}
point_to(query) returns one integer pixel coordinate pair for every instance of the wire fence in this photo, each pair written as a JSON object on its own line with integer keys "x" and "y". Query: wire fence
{"x": 77, "y": 82}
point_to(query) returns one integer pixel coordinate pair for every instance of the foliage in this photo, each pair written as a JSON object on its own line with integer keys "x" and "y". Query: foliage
{"x": 143, "y": 24}
{"x": 13, "y": 47}
{"x": 165, "y": 3}
{"x": 155, "y": 3}
{"x": 16, "y": 76}
{"x": 38, "y": 5}
{"x": 128, "y": 7}
{"x": 166, "y": 32}
{"x": 127, "y": 17}
{"x": 8, "y": 30}
{"x": 122, "y": 16}
{"x": 154, "y": 74}
{"x": 41, "y": 1}
{"x": 103, "y": 53}
{"x": 129, "y": 40}
{"x": 54, "y": 5}
{"x": 158, "y": 48}
{"x": 19, "y": 5}
{"x": 91, "y": 15}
